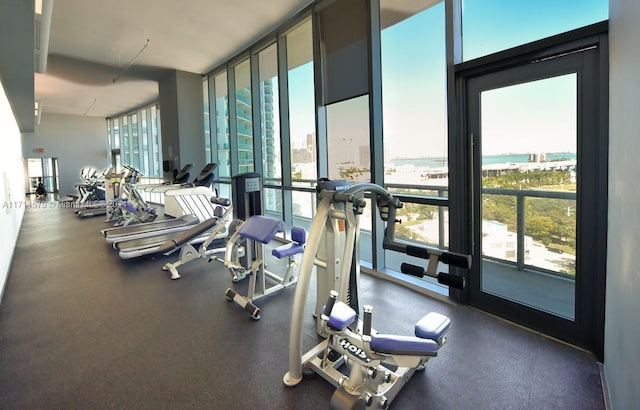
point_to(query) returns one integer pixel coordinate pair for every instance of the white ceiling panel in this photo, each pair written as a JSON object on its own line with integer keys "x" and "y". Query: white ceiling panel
{"x": 92, "y": 41}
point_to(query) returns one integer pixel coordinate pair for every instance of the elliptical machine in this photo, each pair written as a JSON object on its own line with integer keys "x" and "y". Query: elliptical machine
{"x": 131, "y": 206}
{"x": 367, "y": 368}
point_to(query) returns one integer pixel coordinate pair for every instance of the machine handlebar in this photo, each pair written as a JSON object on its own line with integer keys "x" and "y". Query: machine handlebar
{"x": 387, "y": 205}
{"x": 447, "y": 279}
{"x": 453, "y": 259}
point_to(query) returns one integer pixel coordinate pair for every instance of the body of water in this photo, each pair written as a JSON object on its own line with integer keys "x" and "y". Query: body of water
{"x": 486, "y": 160}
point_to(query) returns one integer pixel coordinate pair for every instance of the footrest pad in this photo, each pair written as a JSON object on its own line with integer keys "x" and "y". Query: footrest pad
{"x": 341, "y": 316}
{"x": 432, "y": 326}
{"x": 403, "y": 345}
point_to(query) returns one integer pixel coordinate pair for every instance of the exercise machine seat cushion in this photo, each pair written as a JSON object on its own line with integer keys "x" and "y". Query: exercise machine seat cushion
{"x": 299, "y": 238}
{"x": 403, "y": 345}
{"x": 260, "y": 228}
{"x": 341, "y": 316}
{"x": 432, "y": 326}
{"x": 287, "y": 250}
{"x": 130, "y": 207}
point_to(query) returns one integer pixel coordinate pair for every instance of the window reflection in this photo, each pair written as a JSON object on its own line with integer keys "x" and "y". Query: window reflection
{"x": 348, "y": 140}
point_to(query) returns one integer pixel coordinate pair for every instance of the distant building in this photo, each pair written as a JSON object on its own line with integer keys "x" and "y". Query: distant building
{"x": 307, "y": 153}
{"x": 498, "y": 242}
{"x": 539, "y": 157}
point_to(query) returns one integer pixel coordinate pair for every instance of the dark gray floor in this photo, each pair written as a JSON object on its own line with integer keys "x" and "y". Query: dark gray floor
{"x": 81, "y": 329}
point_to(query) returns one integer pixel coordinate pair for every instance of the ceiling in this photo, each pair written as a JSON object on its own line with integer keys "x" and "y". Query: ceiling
{"x": 100, "y": 64}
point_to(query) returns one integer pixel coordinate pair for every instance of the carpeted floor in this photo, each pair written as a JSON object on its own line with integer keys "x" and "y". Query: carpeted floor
{"x": 82, "y": 329}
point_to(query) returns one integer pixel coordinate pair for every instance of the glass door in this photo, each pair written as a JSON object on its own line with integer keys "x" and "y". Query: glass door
{"x": 528, "y": 185}
{"x": 45, "y": 171}
{"x": 535, "y": 176}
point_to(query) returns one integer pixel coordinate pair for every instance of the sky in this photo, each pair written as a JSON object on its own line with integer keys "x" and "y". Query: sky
{"x": 492, "y": 25}
{"x": 413, "y": 68}
{"x": 541, "y": 117}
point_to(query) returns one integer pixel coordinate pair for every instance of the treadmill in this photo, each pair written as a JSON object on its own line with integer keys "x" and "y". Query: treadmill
{"x": 165, "y": 243}
{"x": 204, "y": 178}
{"x": 91, "y": 212}
{"x": 168, "y": 226}
{"x": 181, "y": 177}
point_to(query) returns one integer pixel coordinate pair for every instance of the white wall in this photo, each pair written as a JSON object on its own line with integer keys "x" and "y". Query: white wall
{"x": 76, "y": 141}
{"x": 622, "y": 327}
{"x": 11, "y": 187}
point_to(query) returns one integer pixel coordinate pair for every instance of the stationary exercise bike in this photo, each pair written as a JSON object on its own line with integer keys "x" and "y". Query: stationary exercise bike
{"x": 367, "y": 368}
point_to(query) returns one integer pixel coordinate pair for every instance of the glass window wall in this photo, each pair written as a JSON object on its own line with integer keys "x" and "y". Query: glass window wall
{"x": 134, "y": 139}
{"x": 222, "y": 125}
{"x": 413, "y": 49}
{"x": 207, "y": 125}
{"x": 489, "y": 26}
{"x": 244, "y": 116}
{"x": 270, "y": 116}
{"x": 349, "y": 151}
{"x": 302, "y": 122}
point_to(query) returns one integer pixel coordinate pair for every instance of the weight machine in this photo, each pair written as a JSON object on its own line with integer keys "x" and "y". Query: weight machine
{"x": 367, "y": 368}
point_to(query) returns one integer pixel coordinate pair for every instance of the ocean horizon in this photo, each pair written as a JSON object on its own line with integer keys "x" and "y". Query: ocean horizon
{"x": 434, "y": 162}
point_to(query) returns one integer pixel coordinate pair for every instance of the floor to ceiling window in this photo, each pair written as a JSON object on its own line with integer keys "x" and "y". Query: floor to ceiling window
{"x": 423, "y": 152}
{"x": 156, "y": 145}
{"x": 221, "y": 127}
{"x": 135, "y": 142}
{"x": 207, "y": 125}
{"x": 244, "y": 116}
{"x": 126, "y": 144}
{"x": 134, "y": 139}
{"x": 270, "y": 128}
{"x": 144, "y": 141}
{"x": 302, "y": 123}
{"x": 413, "y": 49}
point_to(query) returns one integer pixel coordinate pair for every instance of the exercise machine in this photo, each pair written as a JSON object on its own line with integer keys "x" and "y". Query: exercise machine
{"x": 246, "y": 248}
{"x": 111, "y": 186}
{"x": 189, "y": 206}
{"x": 131, "y": 208}
{"x": 182, "y": 176}
{"x": 204, "y": 178}
{"x": 167, "y": 244}
{"x": 137, "y": 231}
{"x": 368, "y": 369}
{"x": 254, "y": 234}
{"x": 378, "y": 365}
{"x": 186, "y": 201}
{"x": 214, "y": 244}
{"x": 246, "y": 197}
{"x": 88, "y": 188}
